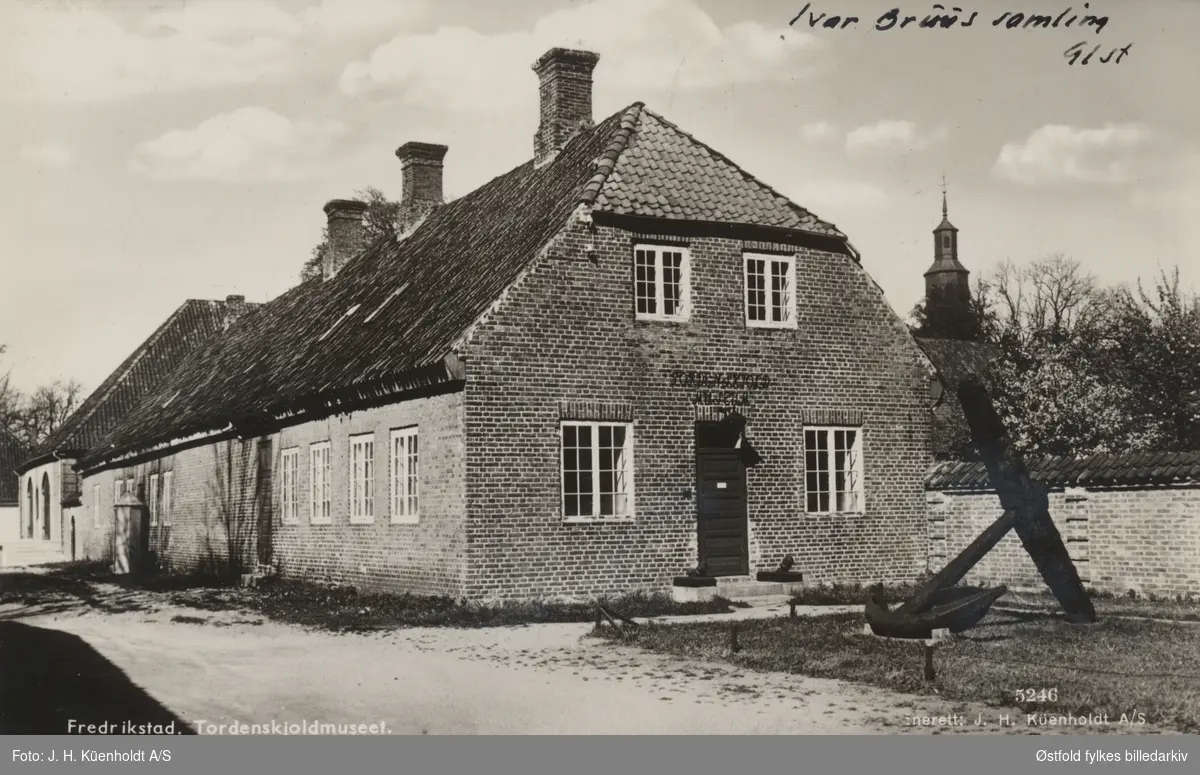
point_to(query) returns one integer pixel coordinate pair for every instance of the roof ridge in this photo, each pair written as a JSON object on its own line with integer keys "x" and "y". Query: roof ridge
{"x": 742, "y": 170}
{"x": 607, "y": 160}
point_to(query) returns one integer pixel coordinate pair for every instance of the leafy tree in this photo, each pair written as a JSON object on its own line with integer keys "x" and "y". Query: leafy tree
{"x": 1083, "y": 369}
{"x": 379, "y": 221}
{"x": 1159, "y": 358}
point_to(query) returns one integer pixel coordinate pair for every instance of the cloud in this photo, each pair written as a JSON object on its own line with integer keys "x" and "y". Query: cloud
{"x": 84, "y": 55}
{"x": 247, "y": 144}
{"x": 820, "y": 195}
{"x": 892, "y": 135}
{"x": 816, "y": 131}
{"x": 1052, "y": 154}
{"x": 656, "y": 44}
{"x": 48, "y": 155}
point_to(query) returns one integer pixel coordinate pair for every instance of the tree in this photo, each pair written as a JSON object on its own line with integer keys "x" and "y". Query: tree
{"x": 1048, "y": 323}
{"x": 1159, "y": 358}
{"x": 33, "y": 418}
{"x": 48, "y": 407}
{"x": 379, "y": 222}
{"x": 948, "y": 322}
{"x": 1084, "y": 369}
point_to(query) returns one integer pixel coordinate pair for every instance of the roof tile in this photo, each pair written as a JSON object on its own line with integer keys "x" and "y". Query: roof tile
{"x": 1125, "y": 469}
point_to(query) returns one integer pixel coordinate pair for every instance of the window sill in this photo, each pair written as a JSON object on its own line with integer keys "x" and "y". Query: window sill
{"x": 835, "y": 513}
{"x": 362, "y": 520}
{"x": 775, "y": 326}
{"x": 289, "y": 522}
{"x": 320, "y": 521}
{"x": 598, "y": 520}
{"x": 406, "y": 520}
{"x": 661, "y": 319}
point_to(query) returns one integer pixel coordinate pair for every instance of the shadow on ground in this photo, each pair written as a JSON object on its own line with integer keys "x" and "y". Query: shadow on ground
{"x": 52, "y": 677}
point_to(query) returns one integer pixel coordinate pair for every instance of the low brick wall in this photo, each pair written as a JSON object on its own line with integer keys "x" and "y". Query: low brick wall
{"x": 1142, "y": 539}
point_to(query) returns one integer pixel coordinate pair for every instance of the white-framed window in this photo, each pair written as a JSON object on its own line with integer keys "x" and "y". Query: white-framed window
{"x": 168, "y": 498}
{"x": 362, "y": 478}
{"x": 770, "y": 290}
{"x": 661, "y": 282}
{"x": 289, "y": 489}
{"x": 833, "y": 470}
{"x": 405, "y": 481}
{"x": 597, "y": 470}
{"x": 152, "y": 495}
{"x": 319, "y": 464}
{"x": 96, "y": 513}
{"x": 118, "y": 490}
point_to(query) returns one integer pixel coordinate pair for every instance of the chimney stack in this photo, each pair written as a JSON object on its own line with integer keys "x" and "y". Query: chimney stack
{"x": 421, "y": 167}
{"x": 235, "y": 307}
{"x": 347, "y": 235}
{"x": 565, "y": 77}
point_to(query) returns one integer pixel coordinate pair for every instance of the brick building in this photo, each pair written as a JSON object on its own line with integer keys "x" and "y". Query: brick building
{"x": 50, "y": 527}
{"x": 624, "y": 359}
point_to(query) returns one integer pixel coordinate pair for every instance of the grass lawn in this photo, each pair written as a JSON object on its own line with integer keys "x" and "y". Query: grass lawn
{"x": 340, "y": 609}
{"x": 1179, "y": 609}
{"x": 1115, "y": 666}
{"x": 343, "y": 609}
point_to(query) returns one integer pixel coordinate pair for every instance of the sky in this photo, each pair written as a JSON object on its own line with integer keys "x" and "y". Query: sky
{"x": 153, "y": 151}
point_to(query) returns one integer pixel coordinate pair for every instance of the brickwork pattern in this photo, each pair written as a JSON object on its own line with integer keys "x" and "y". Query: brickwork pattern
{"x": 567, "y": 332}
{"x": 1141, "y": 539}
{"x": 217, "y": 499}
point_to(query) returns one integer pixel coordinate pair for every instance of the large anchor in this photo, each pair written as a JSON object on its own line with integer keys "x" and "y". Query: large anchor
{"x": 938, "y": 604}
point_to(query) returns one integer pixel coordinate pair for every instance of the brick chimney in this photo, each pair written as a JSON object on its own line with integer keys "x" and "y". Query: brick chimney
{"x": 235, "y": 307}
{"x": 421, "y": 168}
{"x": 347, "y": 235}
{"x": 566, "y": 99}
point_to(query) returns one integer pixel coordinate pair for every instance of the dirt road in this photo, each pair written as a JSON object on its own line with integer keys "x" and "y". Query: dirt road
{"x": 222, "y": 667}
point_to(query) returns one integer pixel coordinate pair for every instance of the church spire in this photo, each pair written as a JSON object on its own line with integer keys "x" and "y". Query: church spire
{"x": 947, "y": 286}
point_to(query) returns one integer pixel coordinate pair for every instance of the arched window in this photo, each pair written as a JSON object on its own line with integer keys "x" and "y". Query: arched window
{"x": 46, "y": 506}
{"x": 27, "y": 531}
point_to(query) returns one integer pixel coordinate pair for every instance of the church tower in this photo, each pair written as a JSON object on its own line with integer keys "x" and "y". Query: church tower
{"x": 947, "y": 287}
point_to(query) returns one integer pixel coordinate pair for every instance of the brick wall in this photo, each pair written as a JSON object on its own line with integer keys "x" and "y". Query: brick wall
{"x": 1141, "y": 539}
{"x": 566, "y": 332}
{"x": 218, "y": 496}
{"x": 427, "y": 557}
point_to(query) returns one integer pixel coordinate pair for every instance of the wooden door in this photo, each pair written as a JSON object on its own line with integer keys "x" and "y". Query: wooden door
{"x": 721, "y": 515}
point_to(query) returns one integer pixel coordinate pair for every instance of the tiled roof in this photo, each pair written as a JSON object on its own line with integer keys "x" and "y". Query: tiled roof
{"x": 398, "y": 308}
{"x": 11, "y": 454}
{"x": 664, "y": 172}
{"x": 1125, "y": 469}
{"x": 190, "y": 326}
